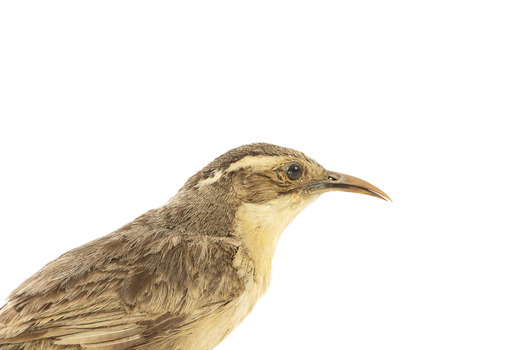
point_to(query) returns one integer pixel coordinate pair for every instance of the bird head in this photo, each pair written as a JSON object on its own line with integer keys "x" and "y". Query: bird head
{"x": 259, "y": 187}
{"x": 262, "y": 173}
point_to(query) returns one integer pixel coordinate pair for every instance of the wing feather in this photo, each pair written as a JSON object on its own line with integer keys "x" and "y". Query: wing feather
{"x": 119, "y": 291}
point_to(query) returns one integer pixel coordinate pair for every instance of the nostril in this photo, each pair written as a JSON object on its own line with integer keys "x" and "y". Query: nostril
{"x": 332, "y": 178}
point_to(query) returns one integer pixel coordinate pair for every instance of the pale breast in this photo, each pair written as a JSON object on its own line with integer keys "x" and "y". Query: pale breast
{"x": 216, "y": 327}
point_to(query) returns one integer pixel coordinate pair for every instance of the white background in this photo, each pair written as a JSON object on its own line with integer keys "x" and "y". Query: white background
{"x": 107, "y": 107}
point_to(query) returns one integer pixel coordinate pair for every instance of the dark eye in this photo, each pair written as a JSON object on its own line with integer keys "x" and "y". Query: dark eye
{"x": 294, "y": 171}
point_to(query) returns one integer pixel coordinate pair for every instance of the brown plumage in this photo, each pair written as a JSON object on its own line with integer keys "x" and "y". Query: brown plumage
{"x": 182, "y": 276}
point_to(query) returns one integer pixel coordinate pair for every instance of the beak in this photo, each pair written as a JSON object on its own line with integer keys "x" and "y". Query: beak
{"x": 346, "y": 183}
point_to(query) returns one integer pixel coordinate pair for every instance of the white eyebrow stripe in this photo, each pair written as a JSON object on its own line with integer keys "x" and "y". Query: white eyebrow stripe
{"x": 216, "y": 175}
{"x": 257, "y": 162}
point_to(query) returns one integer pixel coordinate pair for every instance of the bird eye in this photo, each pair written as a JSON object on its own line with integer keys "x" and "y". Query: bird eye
{"x": 294, "y": 171}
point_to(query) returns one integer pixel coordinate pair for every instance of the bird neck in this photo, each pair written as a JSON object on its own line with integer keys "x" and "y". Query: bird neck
{"x": 200, "y": 214}
{"x": 260, "y": 226}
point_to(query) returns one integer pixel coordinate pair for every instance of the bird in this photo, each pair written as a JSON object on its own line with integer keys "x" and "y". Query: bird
{"x": 181, "y": 276}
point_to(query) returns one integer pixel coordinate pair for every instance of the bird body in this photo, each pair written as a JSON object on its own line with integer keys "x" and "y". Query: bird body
{"x": 181, "y": 276}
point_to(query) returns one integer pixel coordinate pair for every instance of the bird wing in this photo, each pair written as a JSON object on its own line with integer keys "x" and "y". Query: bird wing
{"x": 119, "y": 291}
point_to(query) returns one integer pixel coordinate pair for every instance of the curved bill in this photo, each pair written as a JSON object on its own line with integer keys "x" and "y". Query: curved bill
{"x": 347, "y": 183}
